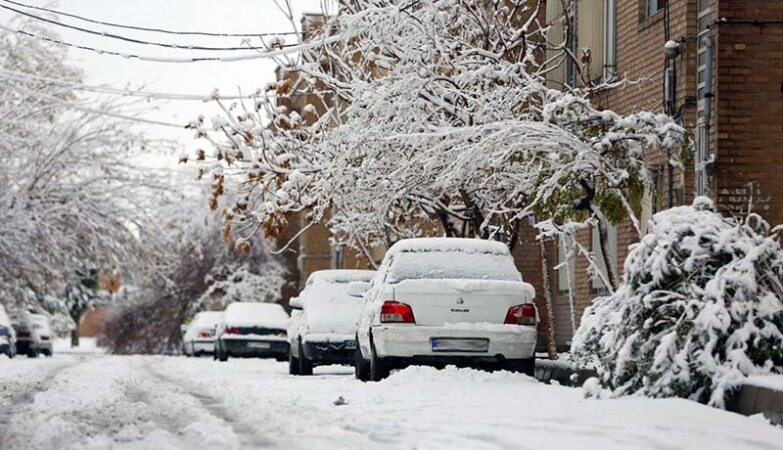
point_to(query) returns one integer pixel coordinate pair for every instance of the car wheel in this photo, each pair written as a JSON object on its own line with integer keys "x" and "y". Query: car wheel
{"x": 526, "y": 366}
{"x": 379, "y": 369}
{"x": 48, "y": 353}
{"x": 32, "y": 353}
{"x": 305, "y": 365}
{"x": 361, "y": 367}
{"x": 293, "y": 364}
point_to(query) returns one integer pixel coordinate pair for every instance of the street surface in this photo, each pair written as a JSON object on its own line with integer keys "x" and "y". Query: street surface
{"x": 94, "y": 401}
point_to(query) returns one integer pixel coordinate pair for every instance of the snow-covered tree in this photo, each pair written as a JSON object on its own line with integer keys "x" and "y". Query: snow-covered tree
{"x": 432, "y": 112}
{"x": 699, "y": 309}
{"x": 69, "y": 197}
{"x": 195, "y": 270}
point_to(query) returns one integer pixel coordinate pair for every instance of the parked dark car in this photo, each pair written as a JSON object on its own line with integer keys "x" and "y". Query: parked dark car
{"x": 252, "y": 330}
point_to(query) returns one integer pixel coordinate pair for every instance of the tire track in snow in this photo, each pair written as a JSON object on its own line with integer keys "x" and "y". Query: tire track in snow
{"x": 248, "y": 436}
{"x": 18, "y": 400}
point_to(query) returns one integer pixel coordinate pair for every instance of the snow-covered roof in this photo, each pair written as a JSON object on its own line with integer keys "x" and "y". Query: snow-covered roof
{"x": 448, "y": 244}
{"x": 207, "y": 318}
{"x": 341, "y": 276}
{"x": 251, "y": 314}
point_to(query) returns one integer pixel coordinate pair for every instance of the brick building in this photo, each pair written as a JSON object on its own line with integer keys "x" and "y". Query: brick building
{"x": 729, "y": 95}
{"x": 728, "y": 92}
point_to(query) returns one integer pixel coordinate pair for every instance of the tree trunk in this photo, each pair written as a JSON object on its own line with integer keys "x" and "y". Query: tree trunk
{"x": 551, "y": 345}
{"x": 603, "y": 238}
{"x": 75, "y": 337}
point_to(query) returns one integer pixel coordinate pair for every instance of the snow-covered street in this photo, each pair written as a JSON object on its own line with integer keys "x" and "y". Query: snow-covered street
{"x": 97, "y": 401}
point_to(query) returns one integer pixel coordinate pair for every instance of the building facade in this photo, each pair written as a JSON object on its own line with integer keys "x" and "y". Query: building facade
{"x": 725, "y": 85}
{"x": 723, "y": 82}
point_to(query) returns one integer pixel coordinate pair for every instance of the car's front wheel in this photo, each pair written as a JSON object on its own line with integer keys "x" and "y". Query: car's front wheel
{"x": 222, "y": 355}
{"x": 293, "y": 363}
{"x": 305, "y": 365}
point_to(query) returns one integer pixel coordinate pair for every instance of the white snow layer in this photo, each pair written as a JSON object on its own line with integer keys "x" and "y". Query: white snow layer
{"x": 247, "y": 314}
{"x": 140, "y": 402}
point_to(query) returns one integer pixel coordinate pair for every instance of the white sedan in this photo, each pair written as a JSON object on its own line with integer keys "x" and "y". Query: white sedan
{"x": 441, "y": 301}
{"x": 323, "y": 321}
{"x": 199, "y": 338}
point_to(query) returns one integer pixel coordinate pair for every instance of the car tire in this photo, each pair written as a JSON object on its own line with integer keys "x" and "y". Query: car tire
{"x": 379, "y": 369}
{"x": 525, "y": 366}
{"x": 360, "y": 365}
{"x": 293, "y": 364}
{"x": 222, "y": 355}
{"x": 47, "y": 353}
{"x": 32, "y": 353}
{"x": 305, "y": 365}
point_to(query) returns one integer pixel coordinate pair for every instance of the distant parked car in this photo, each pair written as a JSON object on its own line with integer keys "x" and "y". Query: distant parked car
{"x": 42, "y": 334}
{"x": 442, "y": 301}
{"x": 252, "y": 329}
{"x": 323, "y": 321}
{"x": 7, "y": 335}
{"x": 199, "y": 338}
{"x": 33, "y": 333}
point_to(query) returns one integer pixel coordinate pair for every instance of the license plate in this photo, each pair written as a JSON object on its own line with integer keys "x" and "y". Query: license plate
{"x": 460, "y": 344}
{"x": 258, "y": 345}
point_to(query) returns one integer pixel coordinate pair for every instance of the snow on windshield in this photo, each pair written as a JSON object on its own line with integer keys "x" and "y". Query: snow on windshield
{"x": 452, "y": 265}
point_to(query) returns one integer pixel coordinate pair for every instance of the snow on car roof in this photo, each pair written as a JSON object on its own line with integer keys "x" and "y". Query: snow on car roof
{"x": 247, "y": 313}
{"x": 208, "y": 317}
{"x": 341, "y": 276}
{"x": 450, "y": 259}
{"x": 448, "y": 244}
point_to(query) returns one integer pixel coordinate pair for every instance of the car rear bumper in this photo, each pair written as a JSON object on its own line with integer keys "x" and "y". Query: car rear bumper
{"x": 203, "y": 346}
{"x": 415, "y": 342}
{"x": 330, "y": 352}
{"x": 250, "y": 347}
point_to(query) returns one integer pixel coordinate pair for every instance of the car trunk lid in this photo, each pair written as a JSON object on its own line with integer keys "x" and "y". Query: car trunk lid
{"x": 437, "y": 302}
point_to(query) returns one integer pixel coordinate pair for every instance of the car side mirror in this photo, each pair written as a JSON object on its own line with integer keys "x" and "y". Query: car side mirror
{"x": 296, "y": 303}
{"x": 358, "y": 288}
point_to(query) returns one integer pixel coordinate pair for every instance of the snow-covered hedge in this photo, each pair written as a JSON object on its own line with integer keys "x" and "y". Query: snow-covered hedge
{"x": 699, "y": 309}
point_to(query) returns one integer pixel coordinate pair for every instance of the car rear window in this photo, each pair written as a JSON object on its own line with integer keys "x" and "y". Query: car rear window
{"x": 452, "y": 265}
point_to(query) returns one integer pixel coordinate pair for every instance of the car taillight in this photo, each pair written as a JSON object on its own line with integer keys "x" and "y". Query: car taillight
{"x": 205, "y": 334}
{"x": 44, "y": 338}
{"x": 231, "y": 331}
{"x": 282, "y": 333}
{"x": 521, "y": 315}
{"x": 396, "y": 312}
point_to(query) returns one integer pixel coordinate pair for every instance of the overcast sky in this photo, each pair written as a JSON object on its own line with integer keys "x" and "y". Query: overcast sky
{"x": 230, "y": 16}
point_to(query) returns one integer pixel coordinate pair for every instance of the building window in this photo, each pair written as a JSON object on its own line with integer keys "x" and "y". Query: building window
{"x": 594, "y": 44}
{"x": 653, "y": 6}
{"x": 610, "y": 38}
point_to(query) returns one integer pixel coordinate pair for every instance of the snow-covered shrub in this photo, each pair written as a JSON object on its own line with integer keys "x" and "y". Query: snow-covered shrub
{"x": 698, "y": 310}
